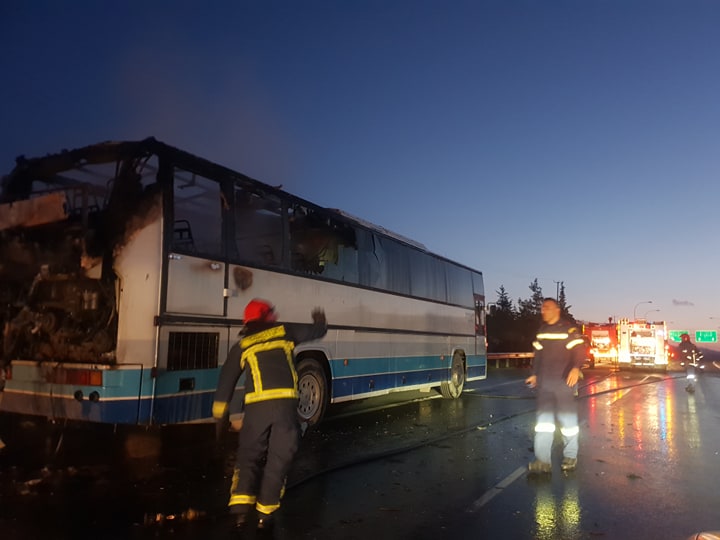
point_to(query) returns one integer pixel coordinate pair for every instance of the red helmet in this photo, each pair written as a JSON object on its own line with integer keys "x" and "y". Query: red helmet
{"x": 684, "y": 337}
{"x": 259, "y": 310}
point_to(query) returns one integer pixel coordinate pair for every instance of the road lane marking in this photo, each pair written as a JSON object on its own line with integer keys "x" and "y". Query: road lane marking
{"x": 496, "y": 489}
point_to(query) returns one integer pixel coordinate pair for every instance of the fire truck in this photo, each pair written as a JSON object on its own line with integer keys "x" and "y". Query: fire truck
{"x": 603, "y": 341}
{"x": 642, "y": 344}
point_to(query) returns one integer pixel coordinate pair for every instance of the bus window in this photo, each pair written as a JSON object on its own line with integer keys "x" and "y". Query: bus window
{"x": 258, "y": 227}
{"x": 459, "y": 284}
{"x": 397, "y": 265}
{"x": 427, "y": 278}
{"x": 320, "y": 244}
{"x": 369, "y": 257}
{"x": 479, "y": 316}
{"x": 198, "y": 214}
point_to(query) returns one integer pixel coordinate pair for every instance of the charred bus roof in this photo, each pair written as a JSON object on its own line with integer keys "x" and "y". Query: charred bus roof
{"x": 19, "y": 183}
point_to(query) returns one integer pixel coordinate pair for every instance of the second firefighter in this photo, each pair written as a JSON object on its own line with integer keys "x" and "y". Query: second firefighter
{"x": 559, "y": 354}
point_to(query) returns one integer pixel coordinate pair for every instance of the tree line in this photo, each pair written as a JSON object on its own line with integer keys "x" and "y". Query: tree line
{"x": 512, "y": 328}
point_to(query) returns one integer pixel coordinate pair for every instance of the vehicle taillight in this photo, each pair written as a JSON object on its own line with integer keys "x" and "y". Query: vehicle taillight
{"x": 78, "y": 377}
{"x": 85, "y": 377}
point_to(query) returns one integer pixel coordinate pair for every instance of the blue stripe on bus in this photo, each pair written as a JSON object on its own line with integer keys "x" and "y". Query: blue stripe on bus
{"x": 476, "y": 366}
{"x": 364, "y": 366}
{"x": 181, "y": 408}
{"x": 477, "y": 372}
{"x": 362, "y": 384}
{"x": 165, "y": 410}
{"x": 124, "y": 411}
{"x": 117, "y": 383}
{"x": 168, "y": 382}
{"x": 119, "y": 397}
{"x": 366, "y": 378}
{"x": 121, "y": 400}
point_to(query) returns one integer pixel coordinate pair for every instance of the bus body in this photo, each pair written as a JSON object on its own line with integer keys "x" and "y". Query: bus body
{"x": 127, "y": 266}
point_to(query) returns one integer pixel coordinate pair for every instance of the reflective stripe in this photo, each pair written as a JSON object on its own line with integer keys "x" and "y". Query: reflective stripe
{"x": 570, "y": 431}
{"x": 558, "y": 336}
{"x": 242, "y": 499}
{"x": 234, "y": 482}
{"x": 573, "y": 343}
{"x": 249, "y": 356}
{"x": 265, "y": 335}
{"x": 275, "y": 393}
{"x": 544, "y": 427}
{"x": 537, "y": 345}
{"x": 219, "y": 408}
{"x": 267, "y": 508}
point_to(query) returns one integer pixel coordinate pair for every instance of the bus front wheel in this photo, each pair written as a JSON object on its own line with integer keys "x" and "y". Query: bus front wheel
{"x": 454, "y": 387}
{"x": 313, "y": 388}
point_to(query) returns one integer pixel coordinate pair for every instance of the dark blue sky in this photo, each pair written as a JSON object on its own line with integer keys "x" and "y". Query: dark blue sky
{"x": 559, "y": 140}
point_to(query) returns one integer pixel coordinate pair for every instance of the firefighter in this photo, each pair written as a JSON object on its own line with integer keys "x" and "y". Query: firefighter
{"x": 690, "y": 356}
{"x": 559, "y": 355}
{"x": 270, "y": 432}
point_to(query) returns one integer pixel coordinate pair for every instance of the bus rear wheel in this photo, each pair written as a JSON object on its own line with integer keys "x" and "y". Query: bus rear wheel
{"x": 453, "y": 388}
{"x": 313, "y": 389}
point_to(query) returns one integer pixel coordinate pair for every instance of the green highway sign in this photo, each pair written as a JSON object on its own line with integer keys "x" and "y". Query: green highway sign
{"x": 706, "y": 336}
{"x": 675, "y": 334}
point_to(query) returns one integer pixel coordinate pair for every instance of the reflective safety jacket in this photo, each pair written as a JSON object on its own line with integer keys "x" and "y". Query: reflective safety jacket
{"x": 558, "y": 348}
{"x": 265, "y": 353}
{"x": 689, "y": 353}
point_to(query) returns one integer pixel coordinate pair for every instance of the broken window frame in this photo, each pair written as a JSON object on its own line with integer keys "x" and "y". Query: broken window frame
{"x": 198, "y": 214}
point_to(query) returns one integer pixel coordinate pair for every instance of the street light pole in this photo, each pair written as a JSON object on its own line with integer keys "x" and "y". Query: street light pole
{"x": 638, "y": 304}
{"x": 651, "y": 311}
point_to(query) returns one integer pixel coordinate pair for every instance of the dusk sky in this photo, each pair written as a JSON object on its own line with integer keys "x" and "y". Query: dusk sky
{"x": 573, "y": 141}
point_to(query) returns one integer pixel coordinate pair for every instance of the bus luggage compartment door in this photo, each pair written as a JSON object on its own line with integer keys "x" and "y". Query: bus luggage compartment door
{"x": 195, "y": 286}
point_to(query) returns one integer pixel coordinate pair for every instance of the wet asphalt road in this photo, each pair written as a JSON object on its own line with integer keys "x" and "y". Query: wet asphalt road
{"x": 430, "y": 468}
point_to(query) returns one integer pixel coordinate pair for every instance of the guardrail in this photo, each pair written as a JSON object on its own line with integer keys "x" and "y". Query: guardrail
{"x": 515, "y": 357}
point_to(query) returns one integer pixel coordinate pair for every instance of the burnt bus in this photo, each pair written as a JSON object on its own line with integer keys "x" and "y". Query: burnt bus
{"x": 125, "y": 268}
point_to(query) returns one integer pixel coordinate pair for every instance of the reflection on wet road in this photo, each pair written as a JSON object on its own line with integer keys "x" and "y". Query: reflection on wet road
{"x": 429, "y": 468}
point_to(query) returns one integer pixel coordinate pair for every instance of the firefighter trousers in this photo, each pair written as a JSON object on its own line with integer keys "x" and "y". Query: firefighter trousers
{"x": 556, "y": 406}
{"x": 267, "y": 443}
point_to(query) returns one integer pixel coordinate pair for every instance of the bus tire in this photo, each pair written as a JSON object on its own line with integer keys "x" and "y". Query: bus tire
{"x": 452, "y": 388}
{"x": 313, "y": 389}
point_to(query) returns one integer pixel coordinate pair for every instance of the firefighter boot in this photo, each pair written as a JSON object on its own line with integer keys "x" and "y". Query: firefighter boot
{"x": 242, "y": 514}
{"x": 539, "y": 467}
{"x": 265, "y": 521}
{"x": 241, "y": 520}
{"x": 568, "y": 464}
